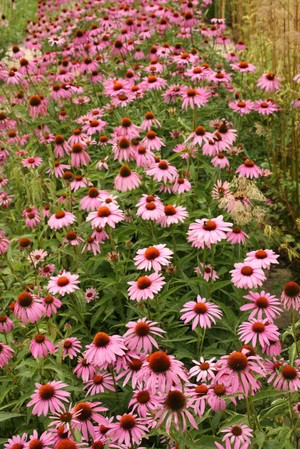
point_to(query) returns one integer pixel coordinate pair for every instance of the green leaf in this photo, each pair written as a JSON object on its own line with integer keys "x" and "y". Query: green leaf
{"x": 4, "y": 416}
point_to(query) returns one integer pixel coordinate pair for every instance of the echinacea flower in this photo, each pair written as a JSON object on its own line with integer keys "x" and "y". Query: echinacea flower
{"x": 44, "y": 441}
{"x": 84, "y": 370}
{"x": 288, "y": 378}
{"x": 6, "y": 353}
{"x": 127, "y": 179}
{"x": 48, "y": 397}
{"x": 161, "y": 371}
{"x": 269, "y": 82}
{"x": 16, "y": 442}
{"x": 290, "y": 297}
{"x": 254, "y": 331}
{"x": 153, "y": 257}
{"x": 236, "y": 236}
{"x": 249, "y": 170}
{"x": 41, "y": 346}
{"x": 99, "y": 383}
{"x": 104, "y": 350}
{"x": 108, "y": 214}
{"x": 262, "y": 305}
{"x": 85, "y": 412}
{"x": 129, "y": 429}
{"x": 162, "y": 171}
{"x": 28, "y": 308}
{"x": 32, "y": 162}
{"x": 71, "y": 347}
{"x": 206, "y": 232}
{"x": 172, "y": 214}
{"x": 263, "y": 258}
{"x": 61, "y": 219}
{"x": 145, "y": 287}
{"x": 239, "y": 435}
{"x": 6, "y": 324}
{"x": 247, "y": 275}
{"x": 64, "y": 283}
{"x": 175, "y": 411}
{"x": 201, "y": 312}
{"x": 139, "y": 336}
{"x": 203, "y": 370}
{"x": 144, "y": 402}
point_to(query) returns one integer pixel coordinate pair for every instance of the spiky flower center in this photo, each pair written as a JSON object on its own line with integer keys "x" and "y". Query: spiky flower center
{"x": 46, "y": 392}
{"x": 142, "y": 329}
{"x": 63, "y": 281}
{"x": 159, "y": 362}
{"x": 247, "y": 271}
{"x": 237, "y": 361}
{"x": 210, "y": 225}
{"x": 143, "y": 282}
{"x": 25, "y": 299}
{"x": 101, "y": 340}
{"x": 85, "y": 411}
{"x": 200, "y": 308}
{"x": 175, "y": 401}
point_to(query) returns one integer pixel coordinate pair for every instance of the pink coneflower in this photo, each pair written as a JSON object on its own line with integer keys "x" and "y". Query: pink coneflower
{"x": 195, "y": 97}
{"x": 6, "y": 353}
{"x": 4, "y": 243}
{"x": 162, "y": 170}
{"x": 220, "y": 161}
{"x": 242, "y": 107}
{"x": 64, "y": 283}
{"x": 72, "y": 238}
{"x": 204, "y": 370}
{"x": 48, "y": 397}
{"x": 104, "y": 350}
{"x": 258, "y": 331}
{"x": 6, "y": 324}
{"x": 207, "y": 271}
{"x": 175, "y": 411}
{"x": 288, "y": 378}
{"x": 109, "y": 214}
{"x": 160, "y": 372}
{"x": 130, "y": 364}
{"x": 265, "y": 107}
{"x": 249, "y": 170}
{"x": 153, "y": 82}
{"x": 139, "y": 335}
{"x": 37, "y": 256}
{"x": 16, "y": 442}
{"x": 263, "y": 258}
{"x": 269, "y": 82}
{"x": 150, "y": 208}
{"x": 238, "y": 435}
{"x": 61, "y": 219}
{"x": 144, "y": 402}
{"x": 32, "y": 162}
{"x": 220, "y": 190}
{"x": 153, "y": 257}
{"x": 238, "y": 369}
{"x": 247, "y": 275}
{"x": 243, "y": 67}
{"x": 91, "y": 294}
{"x": 47, "y": 270}
{"x": 91, "y": 200}
{"x": 262, "y": 303}
{"x": 290, "y": 297}
{"x": 172, "y": 214}
{"x": 202, "y": 313}
{"x": 126, "y": 179}
{"x": 236, "y": 236}
{"x": 296, "y": 408}
{"x": 200, "y": 136}
{"x": 28, "y": 308}
{"x": 145, "y": 287}
{"x": 181, "y": 185}
{"x": 99, "y": 383}
{"x": 85, "y": 412}
{"x": 206, "y": 231}
{"x": 152, "y": 142}
{"x": 129, "y": 429}
{"x": 41, "y": 346}
{"x": 71, "y": 347}
{"x": 79, "y": 156}
{"x": 84, "y": 370}
{"x": 45, "y": 441}
{"x": 149, "y": 121}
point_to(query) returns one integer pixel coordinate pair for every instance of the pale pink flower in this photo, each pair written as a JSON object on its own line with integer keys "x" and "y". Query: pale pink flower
{"x": 200, "y": 136}
{"x": 237, "y": 436}
{"x": 48, "y": 397}
{"x": 152, "y": 142}
{"x": 71, "y": 347}
{"x": 145, "y": 287}
{"x": 220, "y": 161}
{"x": 236, "y": 236}
{"x": 85, "y": 412}
{"x": 265, "y": 107}
{"x": 91, "y": 294}
{"x": 64, "y": 283}
{"x": 206, "y": 232}
{"x": 243, "y": 67}
{"x": 127, "y": 179}
{"x": 263, "y": 258}
{"x": 207, "y": 271}
{"x": 172, "y": 214}
{"x": 247, "y": 275}
{"x": 44, "y": 441}
{"x": 181, "y": 185}
{"x": 145, "y": 402}
{"x": 204, "y": 370}
{"x": 84, "y": 370}
{"x": 37, "y": 256}
{"x": 139, "y": 335}
{"x": 47, "y": 270}
{"x": 16, "y": 442}
{"x": 61, "y": 219}
{"x": 195, "y": 97}
{"x": 288, "y": 378}
{"x": 91, "y": 200}
{"x": 109, "y": 214}
{"x": 32, "y": 162}
{"x": 242, "y": 107}
{"x": 154, "y": 257}
{"x": 262, "y": 305}
{"x": 201, "y": 312}
{"x": 150, "y": 208}
{"x": 6, "y": 324}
